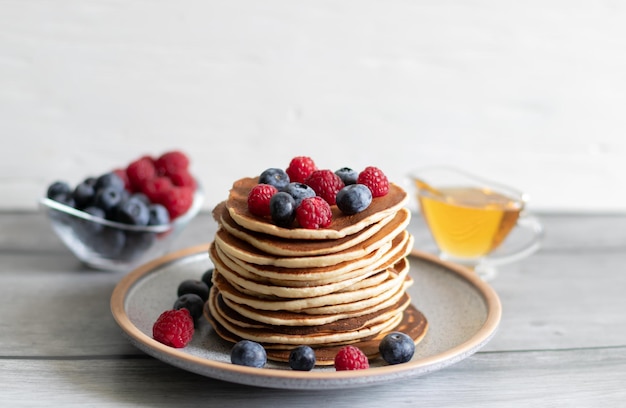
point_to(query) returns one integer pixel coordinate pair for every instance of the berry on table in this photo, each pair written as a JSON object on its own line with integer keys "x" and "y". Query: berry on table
{"x": 350, "y": 358}
{"x": 299, "y": 191}
{"x": 300, "y": 168}
{"x": 354, "y": 198}
{"x": 396, "y": 348}
{"x": 174, "y": 328}
{"x": 314, "y": 213}
{"x": 259, "y": 199}
{"x": 302, "y": 358}
{"x": 375, "y": 180}
{"x": 274, "y": 177}
{"x": 248, "y": 353}
{"x": 347, "y": 175}
{"x": 283, "y": 209}
{"x": 326, "y": 184}
{"x": 193, "y": 286}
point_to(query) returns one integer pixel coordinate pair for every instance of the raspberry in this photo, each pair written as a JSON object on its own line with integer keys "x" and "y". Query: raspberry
{"x": 326, "y": 184}
{"x": 351, "y": 358}
{"x": 375, "y": 180}
{"x": 173, "y": 328}
{"x": 314, "y": 213}
{"x": 155, "y": 189}
{"x": 140, "y": 171}
{"x": 177, "y": 201}
{"x": 259, "y": 199}
{"x": 171, "y": 162}
{"x": 183, "y": 178}
{"x": 300, "y": 168}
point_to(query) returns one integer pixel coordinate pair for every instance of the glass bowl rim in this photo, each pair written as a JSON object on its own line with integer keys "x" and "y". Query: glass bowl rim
{"x": 198, "y": 198}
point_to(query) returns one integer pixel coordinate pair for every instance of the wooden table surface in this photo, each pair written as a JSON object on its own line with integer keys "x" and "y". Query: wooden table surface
{"x": 561, "y": 341}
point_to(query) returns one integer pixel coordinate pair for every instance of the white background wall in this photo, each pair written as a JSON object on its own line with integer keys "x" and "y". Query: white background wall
{"x": 532, "y": 93}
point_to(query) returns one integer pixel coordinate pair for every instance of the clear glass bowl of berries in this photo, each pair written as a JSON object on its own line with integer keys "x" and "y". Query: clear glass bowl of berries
{"x": 126, "y": 217}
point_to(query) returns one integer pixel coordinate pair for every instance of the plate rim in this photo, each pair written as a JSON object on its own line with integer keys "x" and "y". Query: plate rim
{"x": 292, "y": 379}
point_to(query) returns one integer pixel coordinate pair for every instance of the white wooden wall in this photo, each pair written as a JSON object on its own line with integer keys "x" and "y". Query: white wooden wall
{"x": 532, "y": 93}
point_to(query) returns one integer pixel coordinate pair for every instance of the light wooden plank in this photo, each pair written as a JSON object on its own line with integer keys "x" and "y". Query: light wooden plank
{"x": 569, "y": 378}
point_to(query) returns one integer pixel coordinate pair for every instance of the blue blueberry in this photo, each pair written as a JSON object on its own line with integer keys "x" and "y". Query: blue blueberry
{"x": 109, "y": 180}
{"x": 109, "y": 243}
{"x": 347, "y": 175}
{"x": 158, "y": 215}
{"x": 191, "y": 302}
{"x": 84, "y": 195}
{"x": 248, "y": 353}
{"x": 354, "y": 198}
{"x": 132, "y": 211}
{"x": 396, "y": 348}
{"x": 207, "y": 277}
{"x": 299, "y": 191}
{"x": 275, "y": 177}
{"x": 283, "y": 209}
{"x": 58, "y": 188}
{"x": 302, "y": 358}
{"x": 108, "y": 198}
{"x": 92, "y": 227}
{"x": 194, "y": 286}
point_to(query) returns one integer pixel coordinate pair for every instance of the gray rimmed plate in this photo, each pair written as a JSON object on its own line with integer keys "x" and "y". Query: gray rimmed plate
{"x": 463, "y": 314}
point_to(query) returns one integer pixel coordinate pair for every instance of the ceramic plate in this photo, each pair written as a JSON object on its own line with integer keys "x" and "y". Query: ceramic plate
{"x": 463, "y": 313}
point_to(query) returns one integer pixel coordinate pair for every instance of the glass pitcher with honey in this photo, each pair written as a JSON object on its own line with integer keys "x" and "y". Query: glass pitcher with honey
{"x": 473, "y": 220}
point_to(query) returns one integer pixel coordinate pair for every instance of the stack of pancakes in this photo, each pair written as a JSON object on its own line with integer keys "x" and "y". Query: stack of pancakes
{"x": 285, "y": 287}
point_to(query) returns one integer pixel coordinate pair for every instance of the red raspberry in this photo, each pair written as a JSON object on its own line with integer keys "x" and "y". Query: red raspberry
{"x": 177, "y": 201}
{"x": 155, "y": 189}
{"x": 139, "y": 171}
{"x": 259, "y": 199}
{"x": 351, "y": 358}
{"x": 174, "y": 328}
{"x": 300, "y": 168}
{"x": 183, "y": 178}
{"x": 375, "y": 180}
{"x": 326, "y": 184}
{"x": 314, "y": 213}
{"x": 170, "y": 162}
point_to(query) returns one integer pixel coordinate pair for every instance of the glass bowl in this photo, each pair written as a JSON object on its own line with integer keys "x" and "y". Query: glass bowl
{"x": 108, "y": 245}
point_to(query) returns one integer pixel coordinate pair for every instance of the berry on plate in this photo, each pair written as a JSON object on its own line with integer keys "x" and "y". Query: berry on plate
{"x": 299, "y": 191}
{"x": 354, "y": 198}
{"x": 283, "y": 209}
{"x": 274, "y": 177}
{"x": 351, "y": 358}
{"x": 302, "y": 358}
{"x": 191, "y": 302}
{"x": 174, "y": 328}
{"x": 259, "y": 199}
{"x": 396, "y": 348}
{"x": 248, "y": 353}
{"x": 347, "y": 175}
{"x": 194, "y": 286}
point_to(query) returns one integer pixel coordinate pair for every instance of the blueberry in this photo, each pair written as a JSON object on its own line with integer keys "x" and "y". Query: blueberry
{"x": 354, "y": 198}
{"x": 207, "y": 277}
{"x": 396, "y": 348}
{"x": 158, "y": 215}
{"x": 283, "y": 209}
{"x": 132, "y": 211}
{"x": 58, "y": 188}
{"x": 107, "y": 244}
{"x": 108, "y": 198}
{"x": 109, "y": 180}
{"x": 191, "y": 302}
{"x": 142, "y": 197}
{"x": 347, "y": 175}
{"x": 275, "y": 177}
{"x": 84, "y": 194}
{"x": 194, "y": 286}
{"x": 302, "y": 358}
{"x": 65, "y": 198}
{"x": 248, "y": 353}
{"x": 92, "y": 227}
{"x": 299, "y": 191}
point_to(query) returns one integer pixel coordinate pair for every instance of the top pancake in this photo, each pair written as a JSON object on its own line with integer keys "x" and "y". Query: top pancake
{"x": 341, "y": 226}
